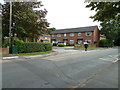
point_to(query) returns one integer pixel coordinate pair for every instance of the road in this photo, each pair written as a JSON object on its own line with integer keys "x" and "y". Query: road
{"x": 68, "y": 69}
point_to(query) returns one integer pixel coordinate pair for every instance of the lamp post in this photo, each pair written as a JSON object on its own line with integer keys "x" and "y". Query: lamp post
{"x": 10, "y": 33}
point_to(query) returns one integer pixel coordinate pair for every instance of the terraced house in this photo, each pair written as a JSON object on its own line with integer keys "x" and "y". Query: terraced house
{"x": 79, "y": 35}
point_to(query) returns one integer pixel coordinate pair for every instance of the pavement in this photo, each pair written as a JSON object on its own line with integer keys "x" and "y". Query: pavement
{"x": 41, "y": 55}
{"x": 28, "y": 56}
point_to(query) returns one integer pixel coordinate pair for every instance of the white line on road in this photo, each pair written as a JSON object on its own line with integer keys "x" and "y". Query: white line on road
{"x": 116, "y": 60}
{"x": 104, "y": 59}
{"x": 10, "y": 57}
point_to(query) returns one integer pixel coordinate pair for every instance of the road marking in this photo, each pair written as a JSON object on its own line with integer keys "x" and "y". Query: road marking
{"x": 10, "y": 57}
{"x": 116, "y": 60}
{"x": 110, "y": 60}
{"x": 104, "y": 59}
{"x": 86, "y": 51}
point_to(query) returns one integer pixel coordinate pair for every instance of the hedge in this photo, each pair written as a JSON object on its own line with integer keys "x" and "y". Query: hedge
{"x": 28, "y": 47}
{"x": 105, "y": 43}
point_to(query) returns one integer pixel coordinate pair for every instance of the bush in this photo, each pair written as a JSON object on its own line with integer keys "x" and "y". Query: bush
{"x": 104, "y": 43}
{"x": 60, "y": 44}
{"x": 19, "y": 43}
{"x": 5, "y": 43}
{"x": 28, "y": 47}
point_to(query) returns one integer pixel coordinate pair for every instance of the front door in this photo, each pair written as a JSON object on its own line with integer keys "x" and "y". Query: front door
{"x": 65, "y": 41}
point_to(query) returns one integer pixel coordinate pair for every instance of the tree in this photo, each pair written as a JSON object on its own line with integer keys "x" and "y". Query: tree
{"x": 26, "y": 21}
{"x": 50, "y": 30}
{"x": 105, "y": 10}
{"x": 108, "y": 13}
{"x": 111, "y": 29}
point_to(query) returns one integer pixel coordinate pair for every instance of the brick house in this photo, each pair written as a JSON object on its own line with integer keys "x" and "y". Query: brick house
{"x": 79, "y": 35}
{"x": 44, "y": 38}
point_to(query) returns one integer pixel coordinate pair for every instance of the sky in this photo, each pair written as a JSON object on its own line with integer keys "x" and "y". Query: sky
{"x": 68, "y": 13}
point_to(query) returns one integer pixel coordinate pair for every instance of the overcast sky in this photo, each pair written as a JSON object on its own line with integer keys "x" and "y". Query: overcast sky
{"x": 68, "y": 13}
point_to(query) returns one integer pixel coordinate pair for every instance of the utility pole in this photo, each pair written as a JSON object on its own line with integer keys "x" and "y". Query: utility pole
{"x": 10, "y": 33}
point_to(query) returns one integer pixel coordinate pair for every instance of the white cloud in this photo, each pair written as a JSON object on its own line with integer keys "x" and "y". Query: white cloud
{"x": 68, "y": 13}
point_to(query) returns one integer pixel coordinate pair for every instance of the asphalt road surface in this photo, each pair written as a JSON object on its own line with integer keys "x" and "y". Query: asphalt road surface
{"x": 68, "y": 69}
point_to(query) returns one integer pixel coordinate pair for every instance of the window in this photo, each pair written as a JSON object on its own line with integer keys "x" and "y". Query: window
{"x": 58, "y": 35}
{"x": 53, "y": 41}
{"x": 52, "y": 35}
{"x": 88, "y": 41}
{"x": 71, "y": 34}
{"x": 79, "y": 34}
{"x": 79, "y": 41}
{"x": 71, "y": 41}
{"x": 88, "y": 33}
{"x": 64, "y": 34}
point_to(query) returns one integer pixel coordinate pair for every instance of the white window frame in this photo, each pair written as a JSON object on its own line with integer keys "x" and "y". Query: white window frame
{"x": 58, "y": 40}
{"x": 72, "y": 41}
{"x": 58, "y": 35}
{"x": 79, "y": 34}
{"x": 86, "y": 33}
{"x": 89, "y": 41}
{"x": 71, "y": 34}
{"x": 80, "y": 41}
{"x": 64, "y": 34}
{"x": 52, "y": 35}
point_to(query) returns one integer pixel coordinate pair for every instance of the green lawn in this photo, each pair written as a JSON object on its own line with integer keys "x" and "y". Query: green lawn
{"x": 37, "y": 53}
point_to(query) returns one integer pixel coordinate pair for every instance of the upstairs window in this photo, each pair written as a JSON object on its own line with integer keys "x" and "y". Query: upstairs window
{"x": 64, "y": 34}
{"x": 52, "y": 35}
{"x": 79, "y": 34}
{"x": 71, "y": 34}
{"x": 88, "y": 33}
{"x": 58, "y": 35}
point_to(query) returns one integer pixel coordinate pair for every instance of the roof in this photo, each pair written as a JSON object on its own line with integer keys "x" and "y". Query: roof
{"x": 45, "y": 36}
{"x": 73, "y": 30}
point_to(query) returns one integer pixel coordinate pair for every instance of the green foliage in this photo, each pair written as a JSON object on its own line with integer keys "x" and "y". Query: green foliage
{"x": 29, "y": 21}
{"x": 5, "y": 43}
{"x": 29, "y": 47}
{"x": 50, "y": 30}
{"x": 19, "y": 43}
{"x": 105, "y": 43}
{"x": 111, "y": 29}
{"x": 108, "y": 13}
{"x": 105, "y": 10}
{"x": 60, "y": 44}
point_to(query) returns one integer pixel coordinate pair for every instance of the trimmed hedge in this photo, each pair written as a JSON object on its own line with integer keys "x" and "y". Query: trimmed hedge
{"x": 104, "y": 43}
{"x": 28, "y": 47}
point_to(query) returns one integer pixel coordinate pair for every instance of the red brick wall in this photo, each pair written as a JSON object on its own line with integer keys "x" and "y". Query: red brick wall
{"x": 74, "y": 37}
{"x": 94, "y": 37}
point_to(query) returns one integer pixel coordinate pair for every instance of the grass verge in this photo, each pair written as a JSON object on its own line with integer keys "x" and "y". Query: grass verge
{"x": 34, "y": 53}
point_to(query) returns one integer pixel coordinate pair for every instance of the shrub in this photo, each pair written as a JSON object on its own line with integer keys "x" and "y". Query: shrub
{"x": 5, "y": 43}
{"x": 60, "y": 44}
{"x": 19, "y": 43}
{"x": 28, "y": 47}
{"x": 104, "y": 43}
